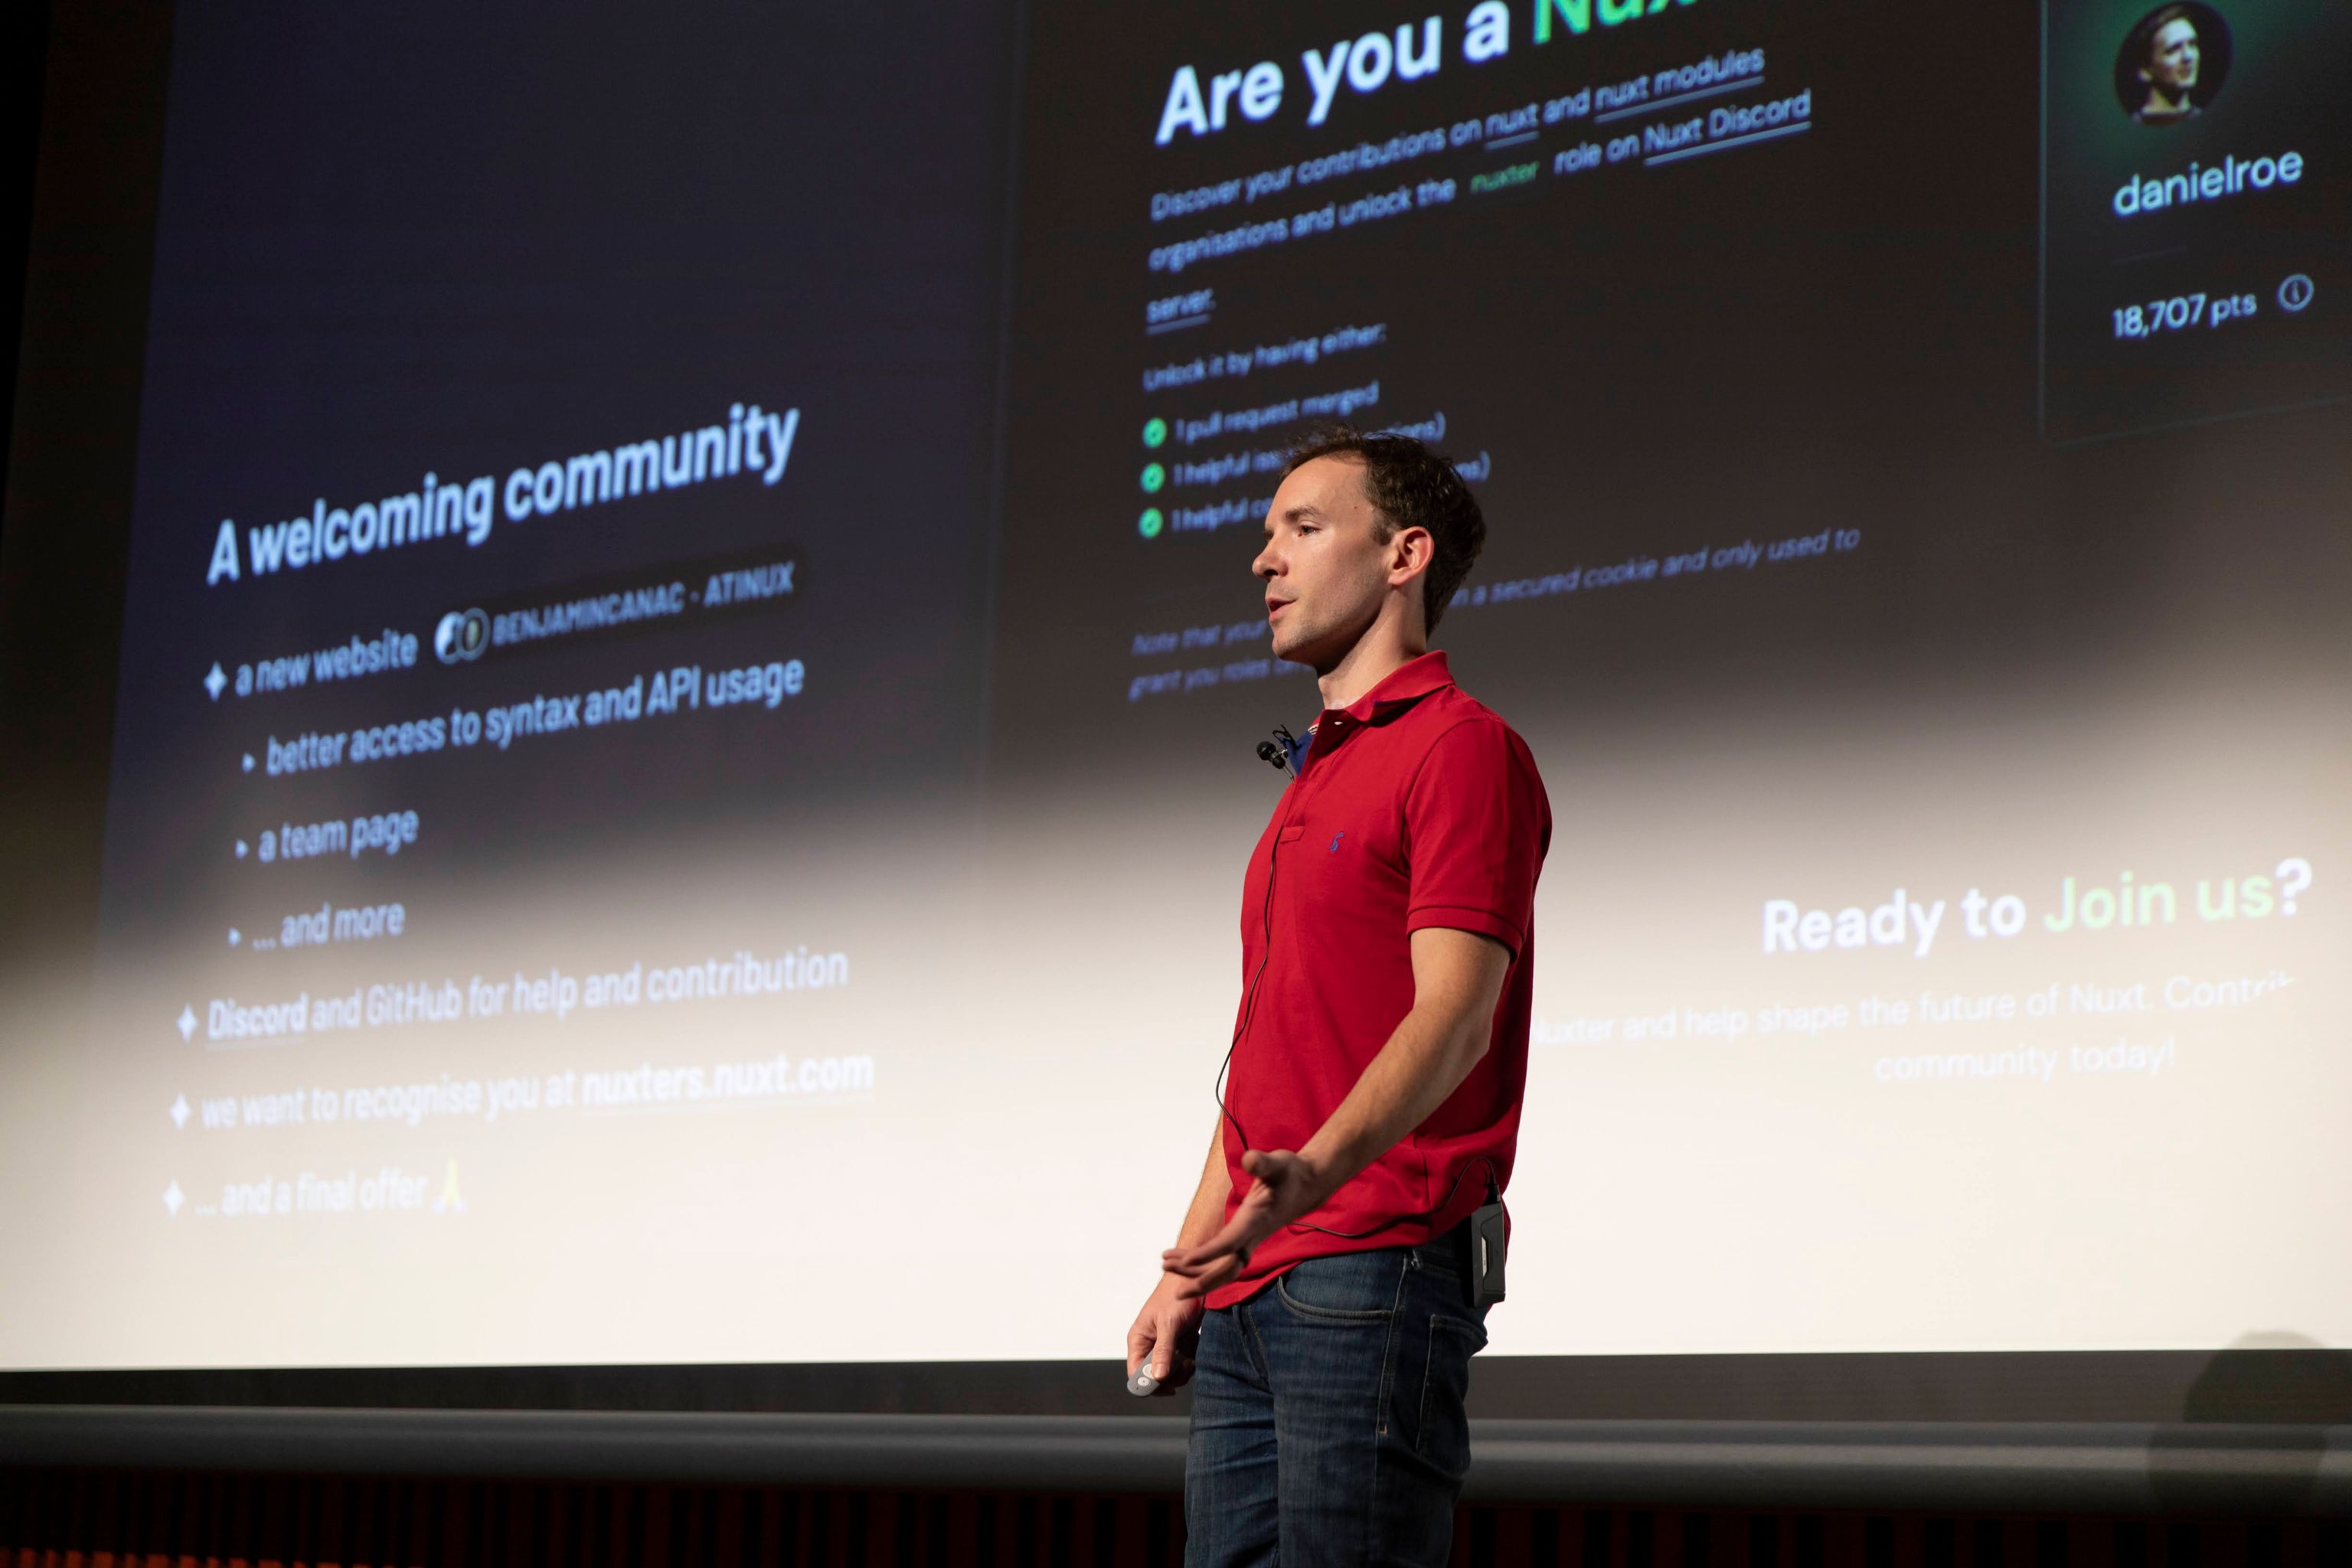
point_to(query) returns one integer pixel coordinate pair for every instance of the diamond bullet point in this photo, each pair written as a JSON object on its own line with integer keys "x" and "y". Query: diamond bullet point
{"x": 180, "y": 1111}
{"x": 188, "y": 1022}
{"x": 215, "y": 680}
{"x": 240, "y": 848}
{"x": 173, "y": 1198}
{"x": 248, "y": 762}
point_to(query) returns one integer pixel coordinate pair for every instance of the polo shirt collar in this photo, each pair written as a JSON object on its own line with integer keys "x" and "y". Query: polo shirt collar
{"x": 1408, "y": 682}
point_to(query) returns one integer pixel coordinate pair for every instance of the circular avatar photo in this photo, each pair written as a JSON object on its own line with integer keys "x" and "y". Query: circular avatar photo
{"x": 2172, "y": 63}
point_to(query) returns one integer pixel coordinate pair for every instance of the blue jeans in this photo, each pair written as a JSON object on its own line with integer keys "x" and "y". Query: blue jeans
{"x": 1328, "y": 1421}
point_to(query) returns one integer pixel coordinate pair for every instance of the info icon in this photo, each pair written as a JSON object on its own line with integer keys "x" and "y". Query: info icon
{"x": 461, "y": 635}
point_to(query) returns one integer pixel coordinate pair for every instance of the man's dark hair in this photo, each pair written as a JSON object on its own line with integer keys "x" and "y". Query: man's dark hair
{"x": 2157, "y": 21}
{"x": 1410, "y": 487}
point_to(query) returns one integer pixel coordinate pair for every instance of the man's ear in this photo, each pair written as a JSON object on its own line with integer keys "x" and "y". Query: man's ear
{"x": 1411, "y": 548}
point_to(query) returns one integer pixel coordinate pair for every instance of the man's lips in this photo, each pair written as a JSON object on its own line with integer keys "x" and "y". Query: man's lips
{"x": 1275, "y": 606}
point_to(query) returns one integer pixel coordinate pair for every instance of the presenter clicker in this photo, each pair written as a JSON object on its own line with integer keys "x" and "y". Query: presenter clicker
{"x": 1331, "y": 1278}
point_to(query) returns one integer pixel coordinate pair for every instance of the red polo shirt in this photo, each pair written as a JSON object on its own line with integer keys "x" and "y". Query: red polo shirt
{"x": 1415, "y": 807}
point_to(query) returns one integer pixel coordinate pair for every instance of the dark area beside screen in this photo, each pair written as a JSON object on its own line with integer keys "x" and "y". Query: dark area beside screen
{"x": 2298, "y": 1387}
{"x": 93, "y": 78}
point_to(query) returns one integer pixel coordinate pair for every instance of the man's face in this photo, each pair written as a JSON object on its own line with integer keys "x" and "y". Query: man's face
{"x": 2172, "y": 57}
{"x": 1325, "y": 572}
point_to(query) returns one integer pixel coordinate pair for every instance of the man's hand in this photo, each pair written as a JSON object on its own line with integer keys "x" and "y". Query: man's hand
{"x": 1286, "y": 1186}
{"x": 1166, "y": 1333}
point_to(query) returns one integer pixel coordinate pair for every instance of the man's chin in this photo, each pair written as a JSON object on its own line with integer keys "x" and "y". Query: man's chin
{"x": 1317, "y": 652}
{"x": 1293, "y": 653}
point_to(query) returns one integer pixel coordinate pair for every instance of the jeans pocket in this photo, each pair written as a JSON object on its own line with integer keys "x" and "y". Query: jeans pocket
{"x": 1438, "y": 1264}
{"x": 1442, "y": 1435}
{"x": 1347, "y": 1288}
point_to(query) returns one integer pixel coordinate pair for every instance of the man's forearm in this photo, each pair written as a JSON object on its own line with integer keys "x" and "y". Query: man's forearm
{"x": 1423, "y": 1062}
{"x": 1457, "y": 981}
{"x": 1457, "y": 986}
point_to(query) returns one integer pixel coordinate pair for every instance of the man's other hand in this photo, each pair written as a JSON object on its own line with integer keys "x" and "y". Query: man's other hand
{"x": 1283, "y": 1187}
{"x": 1166, "y": 1333}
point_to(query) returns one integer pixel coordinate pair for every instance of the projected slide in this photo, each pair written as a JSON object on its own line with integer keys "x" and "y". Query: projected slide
{"x": 2194, "y": 188}
{"x": 1940, "y": 899}
{"x": 554, "y": 650}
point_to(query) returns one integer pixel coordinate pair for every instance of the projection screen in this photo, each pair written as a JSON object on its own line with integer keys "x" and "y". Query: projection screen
{"x": 682, "y": 745}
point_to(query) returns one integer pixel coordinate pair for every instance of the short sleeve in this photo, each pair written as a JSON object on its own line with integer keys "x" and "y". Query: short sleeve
{"x": 1477, "y": 825}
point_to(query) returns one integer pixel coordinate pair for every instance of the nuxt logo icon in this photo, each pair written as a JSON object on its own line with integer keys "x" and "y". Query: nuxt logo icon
{"x": 461, "y": 636}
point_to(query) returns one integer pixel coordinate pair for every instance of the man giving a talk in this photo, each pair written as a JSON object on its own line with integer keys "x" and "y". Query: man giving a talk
{"x": 1320, "y": 1298}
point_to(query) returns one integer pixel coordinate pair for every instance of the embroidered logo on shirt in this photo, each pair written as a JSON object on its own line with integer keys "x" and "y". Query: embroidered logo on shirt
{"x": 1335, "y": 840}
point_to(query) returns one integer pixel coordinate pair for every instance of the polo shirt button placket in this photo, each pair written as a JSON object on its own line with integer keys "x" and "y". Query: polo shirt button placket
{"x": 1336, "y": 724}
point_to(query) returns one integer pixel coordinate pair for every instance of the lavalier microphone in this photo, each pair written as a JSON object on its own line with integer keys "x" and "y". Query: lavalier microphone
{"x": 1276, "y": 752}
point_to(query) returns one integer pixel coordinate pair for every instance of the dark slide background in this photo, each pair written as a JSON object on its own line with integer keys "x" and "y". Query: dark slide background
{"x": 492, "y": 244}
{"x": 389, "y": 245}
{"x": 1837, "y": 329}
